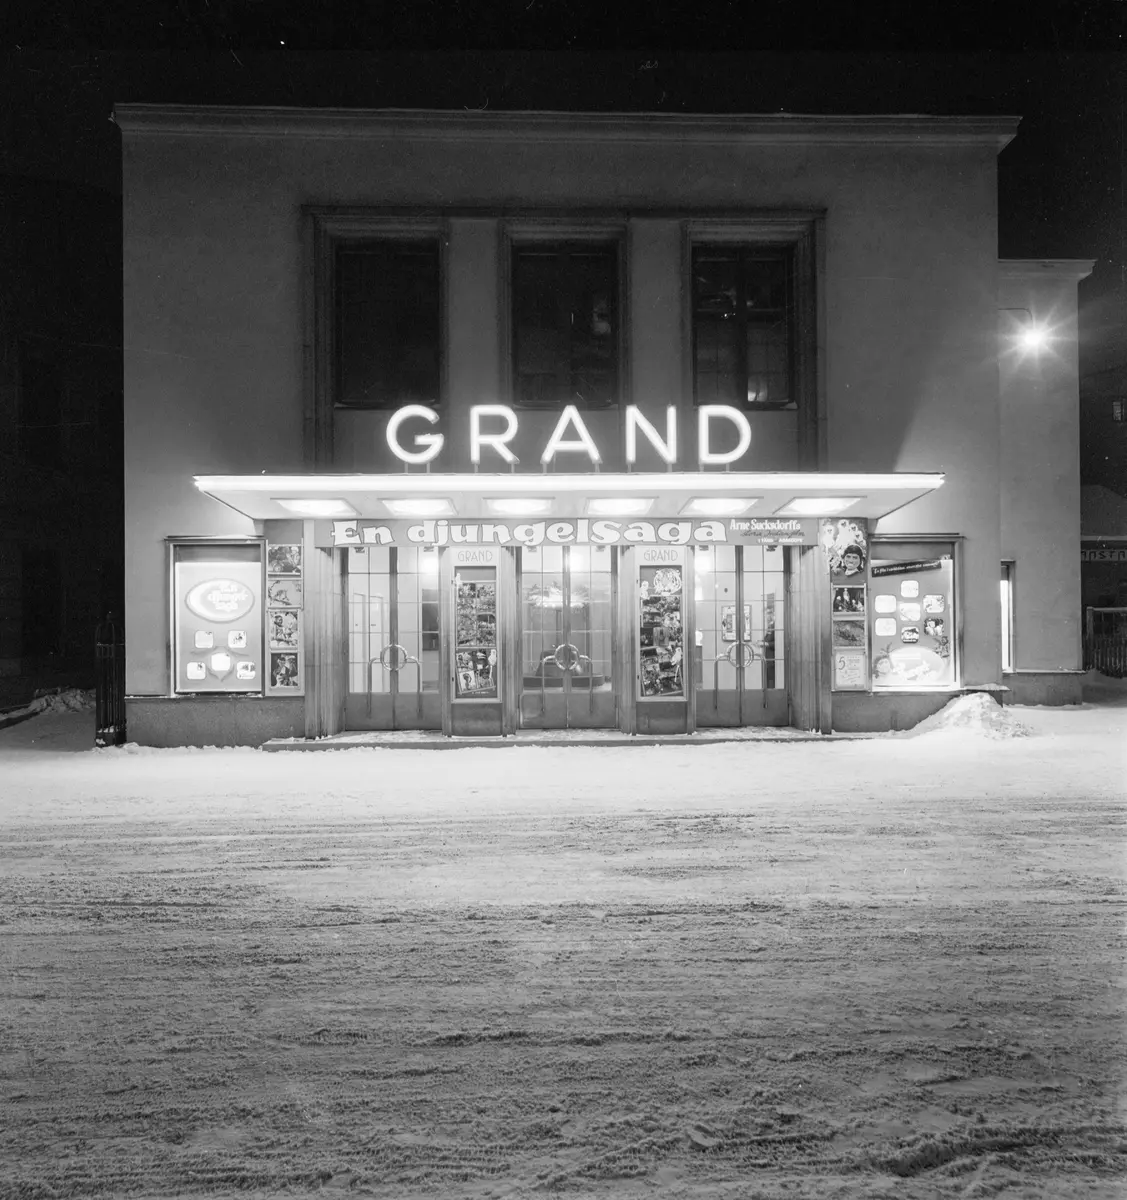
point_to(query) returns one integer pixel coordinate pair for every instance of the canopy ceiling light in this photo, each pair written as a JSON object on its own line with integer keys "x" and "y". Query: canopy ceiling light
{"x": 422, "y": 506}
{"x": 817, "y": 506}
{"x": 719, "y": 506}
{"x": 312, "y": 507}
{"x": 619, "y": 506}
{"x": 520, "y": 506}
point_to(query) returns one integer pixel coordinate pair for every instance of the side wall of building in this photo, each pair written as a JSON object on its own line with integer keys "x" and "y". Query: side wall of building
{"x": 1040, "y": 472}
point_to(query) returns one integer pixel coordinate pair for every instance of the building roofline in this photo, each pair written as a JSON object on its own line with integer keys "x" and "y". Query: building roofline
{"x": 1062, "y": 268}
{"x": 437, "y": 124}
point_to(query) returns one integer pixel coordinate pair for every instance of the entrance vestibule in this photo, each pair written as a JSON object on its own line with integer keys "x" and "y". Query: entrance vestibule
{"x": 494, "y": 640}
{"x": 568, "y": 645}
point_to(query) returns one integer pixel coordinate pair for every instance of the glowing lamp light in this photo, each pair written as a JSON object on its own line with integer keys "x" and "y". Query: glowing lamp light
{"x": 423, "y": 506}
{"x": 818, "y": 506}
{"x": 718, "y": 506}
{"x": 1033, "y": 338}
{"x": 317, "y": 508}
{"x": 520, "y": 506}
{"x": 619, "y": 506}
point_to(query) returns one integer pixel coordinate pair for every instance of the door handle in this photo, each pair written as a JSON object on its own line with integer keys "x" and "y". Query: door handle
{"x": 740, "y": 654}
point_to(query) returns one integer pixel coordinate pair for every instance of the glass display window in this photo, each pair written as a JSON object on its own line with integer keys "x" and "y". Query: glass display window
{"x": 476, "y": 653}
{"x": 218, "y": 625}
{"x": 661, "y": 629}
{"x": 914, "y": 642}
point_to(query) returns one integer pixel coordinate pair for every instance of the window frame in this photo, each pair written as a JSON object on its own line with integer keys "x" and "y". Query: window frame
{"x": 743, "y": 253}
{"x": 547, "y": 231}
{"x": 801, "y": 234}
{"x": 1007, "y": 608}
{"x": 326, "y": 230}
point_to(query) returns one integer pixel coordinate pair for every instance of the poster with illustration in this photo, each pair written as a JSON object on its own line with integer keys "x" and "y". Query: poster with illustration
{"x": 845, "y": 544}
{"x": 728, "y": 622}
{"x": 912, "y": 644}
{"x": 850, "y": 670}
{"x": 283, "y": 625}
{"x": 284, "y": 673}
{"x": 849, "y": 600}
{"x": 283, "y": 593}
{"x": 283, "y": 559}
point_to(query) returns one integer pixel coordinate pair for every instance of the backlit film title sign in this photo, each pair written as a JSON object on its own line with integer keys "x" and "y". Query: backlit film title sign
{"x": 579, "y": 532}
{"x": 493, "y": 427}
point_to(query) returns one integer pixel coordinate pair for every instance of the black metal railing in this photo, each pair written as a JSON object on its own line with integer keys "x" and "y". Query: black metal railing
{"x": 1107, "y": 655}
{"x": 109, "y": 663}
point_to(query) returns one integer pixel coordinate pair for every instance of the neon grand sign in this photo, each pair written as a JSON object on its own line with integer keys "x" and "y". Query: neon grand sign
{"x": 494, "y": 426}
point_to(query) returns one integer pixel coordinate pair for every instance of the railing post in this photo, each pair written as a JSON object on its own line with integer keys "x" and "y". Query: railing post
{"x": 109, "y": 660}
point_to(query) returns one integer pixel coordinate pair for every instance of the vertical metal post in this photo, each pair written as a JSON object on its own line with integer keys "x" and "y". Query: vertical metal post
{"x": 109, "y": 659}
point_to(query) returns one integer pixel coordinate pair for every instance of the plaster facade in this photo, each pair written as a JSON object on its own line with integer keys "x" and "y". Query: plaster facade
{"x": 221, "y": 212}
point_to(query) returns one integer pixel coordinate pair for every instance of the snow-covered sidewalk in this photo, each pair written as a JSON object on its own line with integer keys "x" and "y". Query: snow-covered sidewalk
{"x": 49, "y": 770}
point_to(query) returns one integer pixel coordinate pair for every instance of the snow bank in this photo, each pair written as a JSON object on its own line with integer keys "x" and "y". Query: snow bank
{"x": 66, "y": 700}
{"x": 975, "y": 714}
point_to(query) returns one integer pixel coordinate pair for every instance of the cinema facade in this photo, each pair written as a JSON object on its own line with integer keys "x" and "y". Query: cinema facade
{"x": 488, "y": 423}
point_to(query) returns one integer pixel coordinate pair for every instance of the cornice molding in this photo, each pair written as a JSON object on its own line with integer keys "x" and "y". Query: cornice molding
{"x": 560, "y": 127}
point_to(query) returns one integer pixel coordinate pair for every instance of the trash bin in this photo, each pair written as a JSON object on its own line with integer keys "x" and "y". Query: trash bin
{"x": 109, "y": 665}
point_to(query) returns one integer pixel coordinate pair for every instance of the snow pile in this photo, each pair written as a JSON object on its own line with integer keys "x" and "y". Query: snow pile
{"x": 976, "y": 713}
{"x": 1104, "y": 689}
{"x": 65, "y": 700}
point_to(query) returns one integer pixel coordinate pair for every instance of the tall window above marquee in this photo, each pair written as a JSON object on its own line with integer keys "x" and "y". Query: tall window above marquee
{"x": 565, "y": 325}
{"x": 744, "y": 326}
{"x": 387, "y": 323}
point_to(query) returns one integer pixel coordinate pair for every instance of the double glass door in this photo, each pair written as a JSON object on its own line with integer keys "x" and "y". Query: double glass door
{"x": 739, "y": 608}
{"x": 393, "y": 638}
{"x": 567, "y": 605}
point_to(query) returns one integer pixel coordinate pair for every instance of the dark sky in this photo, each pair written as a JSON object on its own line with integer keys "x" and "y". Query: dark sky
{"x": 1062, "y": 181}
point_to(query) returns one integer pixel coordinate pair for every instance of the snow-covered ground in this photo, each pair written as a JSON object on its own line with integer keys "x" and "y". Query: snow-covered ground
{"x": 884, "y": 968}
{"x": 48, "y": 768}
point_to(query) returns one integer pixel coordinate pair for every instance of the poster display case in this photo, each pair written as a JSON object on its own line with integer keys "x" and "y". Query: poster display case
{"x": 846, "y": 545}
{"x": 912, "y": 621}
{"x": 284, "y": 608}
{"x": 661, "y": 650}
{"x": 476, "y": 654}
{"x": 217, "y": 618}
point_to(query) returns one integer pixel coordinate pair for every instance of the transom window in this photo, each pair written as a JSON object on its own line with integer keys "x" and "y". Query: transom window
{"x": 743, "y": 326}
{"x": 388, "y": 339}
{"x": 565, "y": 325}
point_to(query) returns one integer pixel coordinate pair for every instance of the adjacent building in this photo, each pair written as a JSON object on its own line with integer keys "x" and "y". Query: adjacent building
{"x": 484, "y": 423}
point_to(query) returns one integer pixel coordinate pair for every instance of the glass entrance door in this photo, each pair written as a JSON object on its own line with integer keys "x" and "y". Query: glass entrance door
{"x": 739, "y": 669}
{"x": 567, "y": 598}
{"x": 393, "y": 643}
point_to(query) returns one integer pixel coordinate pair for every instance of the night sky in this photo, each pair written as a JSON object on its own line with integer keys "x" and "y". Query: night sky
{"x": 1062, "y": 181}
